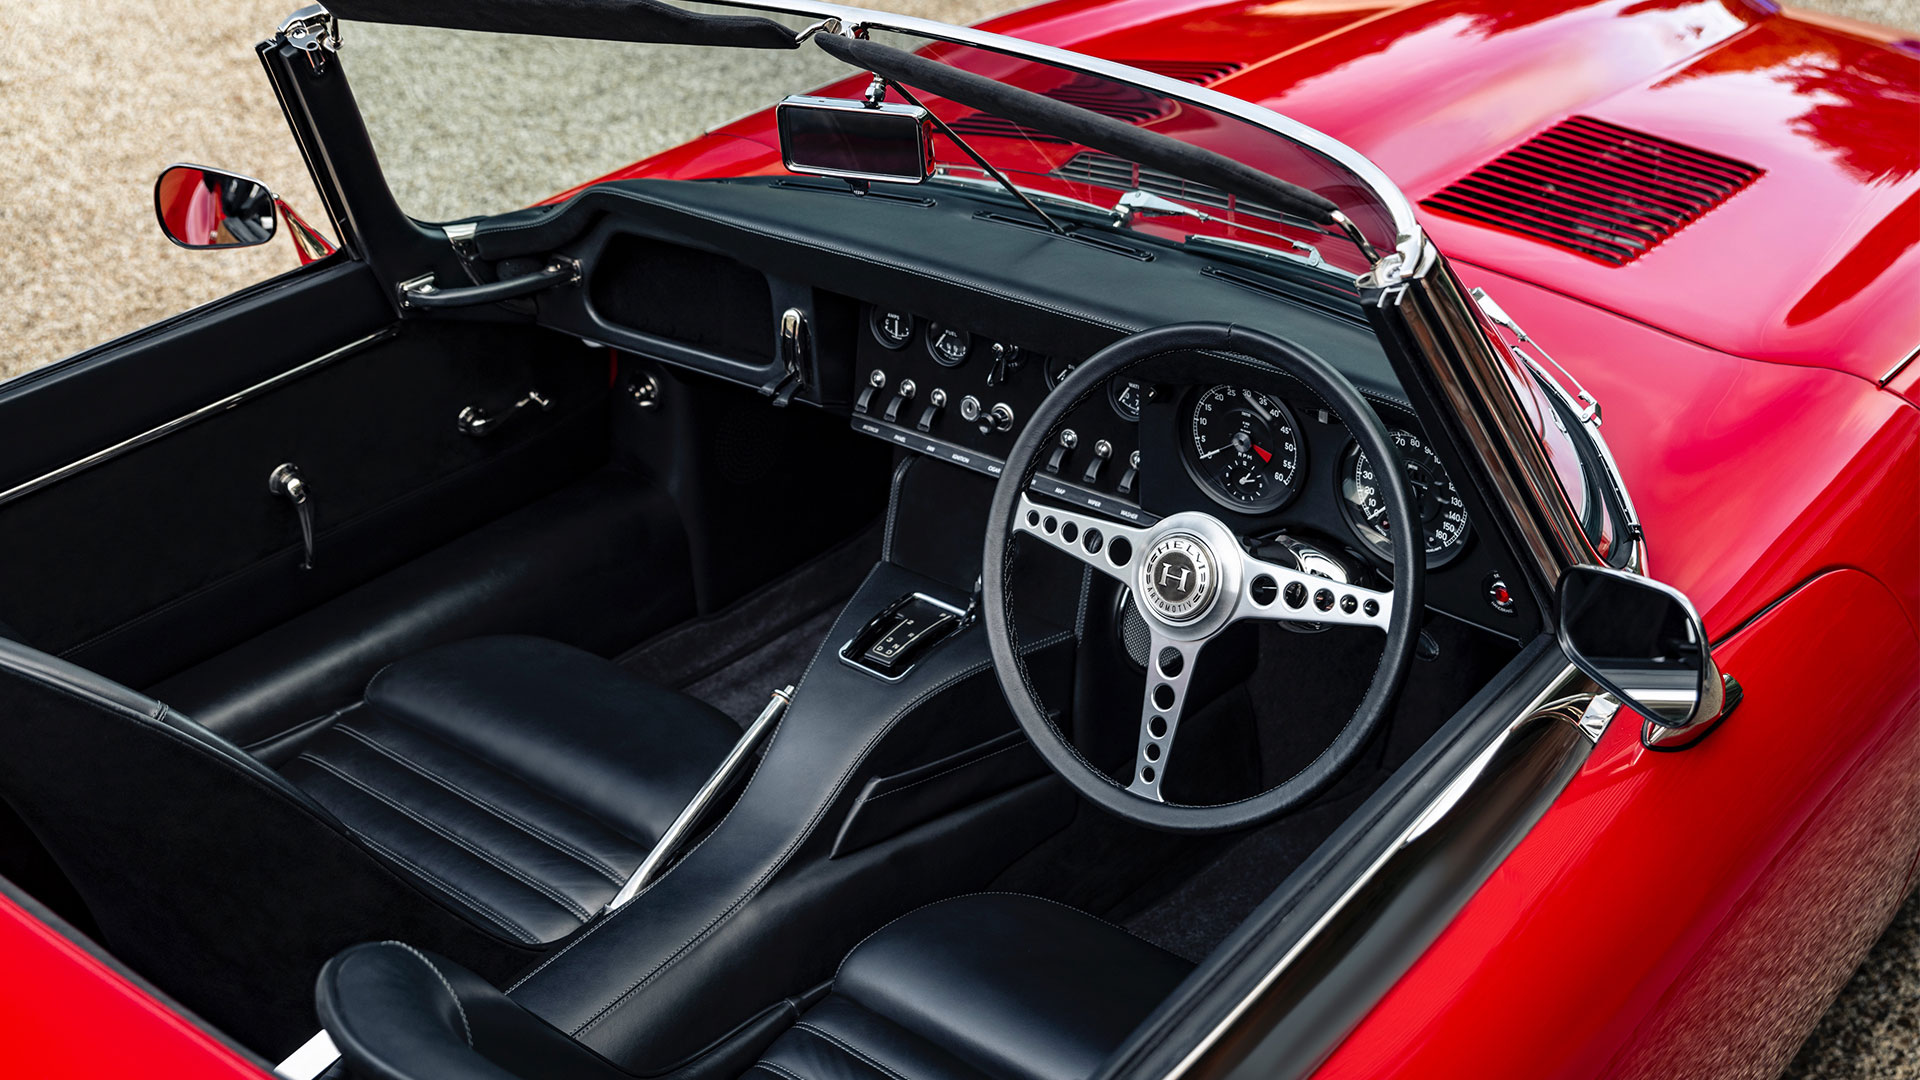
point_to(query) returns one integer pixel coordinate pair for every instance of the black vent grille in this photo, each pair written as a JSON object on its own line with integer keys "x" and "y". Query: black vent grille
{"x": 1597, "y": 189}
{"x": 1119, "y": 174}
{"x": 1117, "y": 101}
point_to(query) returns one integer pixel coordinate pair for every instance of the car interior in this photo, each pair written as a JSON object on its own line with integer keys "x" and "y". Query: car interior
{"x": 761, "y": 512}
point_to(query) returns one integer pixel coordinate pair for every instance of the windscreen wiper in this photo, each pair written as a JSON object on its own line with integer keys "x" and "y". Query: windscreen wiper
{"x": 1090, "y": 129}
{"x": 1146, "y": 204}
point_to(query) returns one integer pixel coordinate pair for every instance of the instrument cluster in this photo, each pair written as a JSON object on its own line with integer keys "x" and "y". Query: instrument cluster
{"x": 947, "y": 391}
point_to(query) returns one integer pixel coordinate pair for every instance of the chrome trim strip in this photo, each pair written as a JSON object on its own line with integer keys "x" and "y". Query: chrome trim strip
{"x": 314, "y": 1057}
{"x": 194, "y": 417}
{"x": 1543, "y": 706}
{"x": 1898, "y": 368}
{"x": 1410, "y": 258}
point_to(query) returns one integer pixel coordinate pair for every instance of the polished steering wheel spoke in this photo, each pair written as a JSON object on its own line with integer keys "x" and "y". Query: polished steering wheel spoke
{"x": 1107, "y": 546}
{"x": 1169, "y": 668}
{"x": 1281, "y": 594}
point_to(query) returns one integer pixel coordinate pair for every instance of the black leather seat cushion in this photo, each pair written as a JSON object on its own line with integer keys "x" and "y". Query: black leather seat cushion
{"x": 992, "y": 986}
{"x": 520, "y": 779}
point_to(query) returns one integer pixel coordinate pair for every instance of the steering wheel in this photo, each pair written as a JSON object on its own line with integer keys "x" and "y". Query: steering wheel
{"x": 1192, "y": 578}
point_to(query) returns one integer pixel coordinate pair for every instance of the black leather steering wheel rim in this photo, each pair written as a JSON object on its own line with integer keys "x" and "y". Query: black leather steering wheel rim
{"x": 1240, "y": 346}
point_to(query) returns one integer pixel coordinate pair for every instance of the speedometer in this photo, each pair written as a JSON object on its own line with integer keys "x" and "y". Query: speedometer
{"x": 1443, "y": 514}
{"x": 1244, "y": 448}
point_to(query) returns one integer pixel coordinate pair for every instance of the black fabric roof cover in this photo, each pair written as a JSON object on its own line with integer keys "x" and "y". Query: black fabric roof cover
{"x": 1087, "y": 128}
{"x": 605, "y": 20}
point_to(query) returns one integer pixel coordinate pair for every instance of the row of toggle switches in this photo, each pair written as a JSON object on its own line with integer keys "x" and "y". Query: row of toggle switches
{"x": 901, "y": 406}
{"x": 1059, "y": 463}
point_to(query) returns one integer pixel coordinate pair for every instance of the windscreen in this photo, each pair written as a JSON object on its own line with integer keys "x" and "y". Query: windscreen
{"x": 470, "y": 123}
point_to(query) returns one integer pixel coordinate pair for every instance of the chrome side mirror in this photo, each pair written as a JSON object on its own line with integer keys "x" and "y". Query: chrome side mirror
{"x": 1644, "y": 644}
{"x": 207, "y": 208}
{"x": 203, "y": 208}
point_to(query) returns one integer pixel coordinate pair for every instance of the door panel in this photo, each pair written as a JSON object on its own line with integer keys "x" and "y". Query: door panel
{"x": 174, "y": 550}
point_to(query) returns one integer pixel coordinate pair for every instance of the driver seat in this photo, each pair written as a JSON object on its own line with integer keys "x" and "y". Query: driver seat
{"x": 989, "y": 986}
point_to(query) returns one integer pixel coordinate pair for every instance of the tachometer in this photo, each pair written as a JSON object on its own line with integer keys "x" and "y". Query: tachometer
{"x": 1443, "y": 514}
{"x": 1244, "y": 448}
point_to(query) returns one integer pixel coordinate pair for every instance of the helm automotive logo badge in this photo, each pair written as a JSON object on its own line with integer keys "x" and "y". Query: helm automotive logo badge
{"x": 1177, "y": 578}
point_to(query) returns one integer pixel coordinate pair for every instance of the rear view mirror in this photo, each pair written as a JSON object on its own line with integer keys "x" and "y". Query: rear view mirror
{"x": 207, "y": 208}
{"x": 855, "y": 140}
{"x": 1644, "y": 644}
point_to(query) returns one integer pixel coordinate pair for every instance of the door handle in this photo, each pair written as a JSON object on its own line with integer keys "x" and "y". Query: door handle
{"x": 479, "y": 423}
{"x": 285, "y": 480}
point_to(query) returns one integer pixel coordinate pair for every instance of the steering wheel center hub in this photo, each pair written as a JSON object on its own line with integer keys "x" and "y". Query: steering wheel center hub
{"x": 1178, "y": 578}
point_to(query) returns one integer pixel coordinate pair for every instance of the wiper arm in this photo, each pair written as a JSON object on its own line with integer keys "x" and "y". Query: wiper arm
{"x": 1147, "y": 204}
{"x": 1012, "y": 189}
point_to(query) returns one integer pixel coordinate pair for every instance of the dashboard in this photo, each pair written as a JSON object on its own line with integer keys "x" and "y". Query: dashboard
{"x": 937, "y": 321}
{"x": 1275, "y": 463}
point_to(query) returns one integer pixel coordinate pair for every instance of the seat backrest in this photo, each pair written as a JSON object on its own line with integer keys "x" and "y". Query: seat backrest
{"x": 205, "y": 871}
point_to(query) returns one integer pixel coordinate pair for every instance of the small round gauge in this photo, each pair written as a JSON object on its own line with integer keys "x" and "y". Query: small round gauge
{"x": 894, "y": 329}
{"x": 1057, "y": 369}
{"x": 947, "y": 346}
{"x": 1443, "y": 514}
{"x": 1126, "y": 396}
{"x": 1244, "y": 448}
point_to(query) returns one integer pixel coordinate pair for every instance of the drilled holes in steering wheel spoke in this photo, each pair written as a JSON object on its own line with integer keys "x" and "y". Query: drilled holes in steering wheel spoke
{"x": 1275, "y": 593}
{"x": 1107, "y": 546}
{"x": 1170, "y": 663}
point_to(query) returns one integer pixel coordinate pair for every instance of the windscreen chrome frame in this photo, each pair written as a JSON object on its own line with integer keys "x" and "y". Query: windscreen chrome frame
{"x": 1411, "y": 285}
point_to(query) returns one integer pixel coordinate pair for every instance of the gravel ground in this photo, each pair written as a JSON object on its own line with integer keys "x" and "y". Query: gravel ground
{"x": 81, "y": 138}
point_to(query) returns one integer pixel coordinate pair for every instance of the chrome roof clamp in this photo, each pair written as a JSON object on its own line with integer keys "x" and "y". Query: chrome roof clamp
{"x": 314, "y": 31}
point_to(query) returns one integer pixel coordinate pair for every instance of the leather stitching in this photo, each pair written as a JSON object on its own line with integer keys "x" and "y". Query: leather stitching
{"x": 451, "y": 837}
{"x": 465, "y": 1027}
{"x": 949, "y": 770}
{"x": 893, "y": 505}
{"x": 480, "y": 908}
{"x": 780, "y": 860}
{"x": 849, "y": 1049}
{"x": 538, "y": 833}
{"x": 778, "y": 1070}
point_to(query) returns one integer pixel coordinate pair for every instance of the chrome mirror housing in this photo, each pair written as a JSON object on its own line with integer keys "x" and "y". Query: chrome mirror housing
{"x": 1643, "y": 643}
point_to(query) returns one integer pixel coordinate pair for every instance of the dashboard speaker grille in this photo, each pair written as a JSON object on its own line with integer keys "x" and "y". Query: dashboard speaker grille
{"x": 1596, "y": 189}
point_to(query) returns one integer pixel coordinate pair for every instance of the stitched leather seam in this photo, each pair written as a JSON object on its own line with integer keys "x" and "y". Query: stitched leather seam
{"x": 996, "y": 892}
{"x": 465, "y": 1027}
{"x": 753, "y": 889}
{"x": 526, "y": 936}
{"x": 778, "y": 1070}
{"x": 949, "y": 770}
{"x": 562, "y": 846}
{"x": 848, "y": 1049}
{"x": 451, "y": 837}
{"x": 893, "y": 505}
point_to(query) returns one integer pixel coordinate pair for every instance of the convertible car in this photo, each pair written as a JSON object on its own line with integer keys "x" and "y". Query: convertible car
{"x": 1140, "y": 541}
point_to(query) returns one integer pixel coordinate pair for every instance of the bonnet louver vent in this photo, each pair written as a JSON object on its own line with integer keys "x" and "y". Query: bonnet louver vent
{"x": 1600, "y": 190}
{"x": 1110, "y": 99}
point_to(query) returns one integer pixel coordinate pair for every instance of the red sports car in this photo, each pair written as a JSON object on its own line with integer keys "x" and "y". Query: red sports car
{"x": 1140, "y": 541}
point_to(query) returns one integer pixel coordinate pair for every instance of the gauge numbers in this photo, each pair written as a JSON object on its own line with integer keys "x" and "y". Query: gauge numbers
{"x": 892, "y": 328}
{"x": 947, "y": 346}
{"x": 1443, "y": 514}
{"x": 1244, "y": 448}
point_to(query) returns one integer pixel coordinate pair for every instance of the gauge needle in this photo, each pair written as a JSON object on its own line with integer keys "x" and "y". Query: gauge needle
{"x": 1257, "y": 407}
{"x": 1215, "y": 450}
{"x": 1264, "y": 456}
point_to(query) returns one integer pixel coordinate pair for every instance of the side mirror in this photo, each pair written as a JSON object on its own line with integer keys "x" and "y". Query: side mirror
{"x": 207, "y": 208}
{"x": 204, "y": 208}
{"x": 1644, "y": 644}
